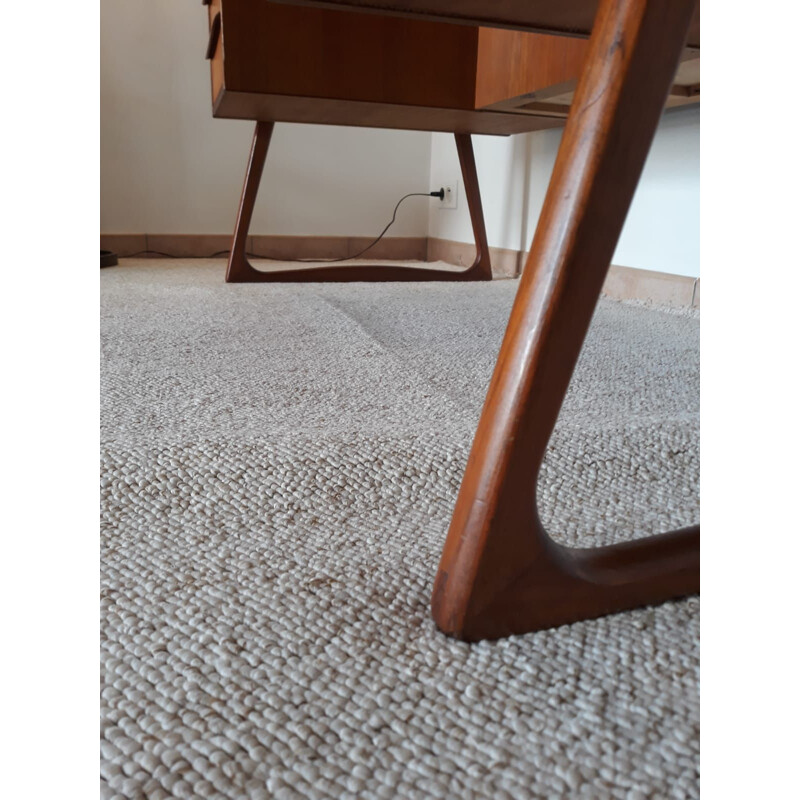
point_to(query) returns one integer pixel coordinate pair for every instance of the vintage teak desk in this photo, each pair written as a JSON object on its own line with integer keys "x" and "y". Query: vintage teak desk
{"x": 491, "y": 67}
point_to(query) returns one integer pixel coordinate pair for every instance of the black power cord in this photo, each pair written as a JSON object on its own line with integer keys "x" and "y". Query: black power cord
{"x": 439, "y": 194}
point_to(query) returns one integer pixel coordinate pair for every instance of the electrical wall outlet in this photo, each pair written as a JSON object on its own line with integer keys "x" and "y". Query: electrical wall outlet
{"x": 450, "y": 199}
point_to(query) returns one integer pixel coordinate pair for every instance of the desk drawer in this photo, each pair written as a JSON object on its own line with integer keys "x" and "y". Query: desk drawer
{"x": 274, "y": 49}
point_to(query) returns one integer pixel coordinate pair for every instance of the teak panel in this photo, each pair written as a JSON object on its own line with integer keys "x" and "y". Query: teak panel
{"x": 570, "y": 17}
{"x": 514, "y": 63}
{"x": 284, "y": 63}
{"x": 323, "y": 111}
{"x": 307, "y": 52}
{"x": 554, "y": 99}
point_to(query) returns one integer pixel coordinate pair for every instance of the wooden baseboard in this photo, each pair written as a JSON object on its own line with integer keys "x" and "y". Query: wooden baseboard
{"x": 628, "y": 283}
{"x": 207, "y": 245}
{"x": 505, "y": 263}
{"x": 622, "y": 283}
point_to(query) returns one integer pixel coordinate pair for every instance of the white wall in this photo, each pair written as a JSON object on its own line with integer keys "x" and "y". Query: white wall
{"x": 500, "y": 161}
{"x": 662, "y": 231}
{"x": 168, "y": 167}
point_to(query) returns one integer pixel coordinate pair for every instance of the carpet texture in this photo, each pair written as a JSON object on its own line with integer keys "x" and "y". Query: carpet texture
{"x": 279, "y": 467}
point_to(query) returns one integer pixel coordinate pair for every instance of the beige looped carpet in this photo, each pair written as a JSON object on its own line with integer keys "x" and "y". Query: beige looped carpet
{"x": 279, "y": 466}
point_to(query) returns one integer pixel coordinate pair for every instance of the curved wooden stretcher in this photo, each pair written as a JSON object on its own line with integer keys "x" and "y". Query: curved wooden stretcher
{"x": 241, "y": 271}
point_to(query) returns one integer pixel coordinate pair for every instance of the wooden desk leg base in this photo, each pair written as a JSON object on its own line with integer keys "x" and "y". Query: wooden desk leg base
{"x": 500, "y": 573}
{"x": 241, "y": 271}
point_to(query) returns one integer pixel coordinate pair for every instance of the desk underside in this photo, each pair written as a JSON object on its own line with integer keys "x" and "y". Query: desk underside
{"x": 565, "y": 17}
{"x": 284, "y": 63}
{"x": 324, "y": 111}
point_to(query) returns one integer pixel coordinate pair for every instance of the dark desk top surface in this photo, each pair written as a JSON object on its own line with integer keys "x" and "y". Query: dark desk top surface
{"x": 571, "y": 17}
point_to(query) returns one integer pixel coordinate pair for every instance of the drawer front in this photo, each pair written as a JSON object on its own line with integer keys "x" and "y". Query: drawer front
{"x": 276, "y": 49}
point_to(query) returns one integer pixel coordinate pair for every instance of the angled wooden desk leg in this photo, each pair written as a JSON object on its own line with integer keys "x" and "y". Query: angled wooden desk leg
{"x": 500, "y": 572}
{"x": 241, "y": 271}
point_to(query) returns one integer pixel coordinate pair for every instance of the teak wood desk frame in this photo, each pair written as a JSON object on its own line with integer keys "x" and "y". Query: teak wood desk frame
{"x": 500, "y": 572}
{"x": 240, "y": 270}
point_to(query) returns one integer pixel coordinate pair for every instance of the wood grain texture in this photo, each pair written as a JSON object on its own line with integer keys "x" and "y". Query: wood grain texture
{"x": 481, "y": 268}
{"x": 295, "y": 64}
{"x": 238, "y": 266}
{"x": 241, "y": 271}
{"x": 514, "y": 63}
{"x": 551, "y": 95}
{"x": 325, "y": 111}
{"x": 567, "y": 17}
{"x": 309, "y": 52}
{"x": 500, "y": 572}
